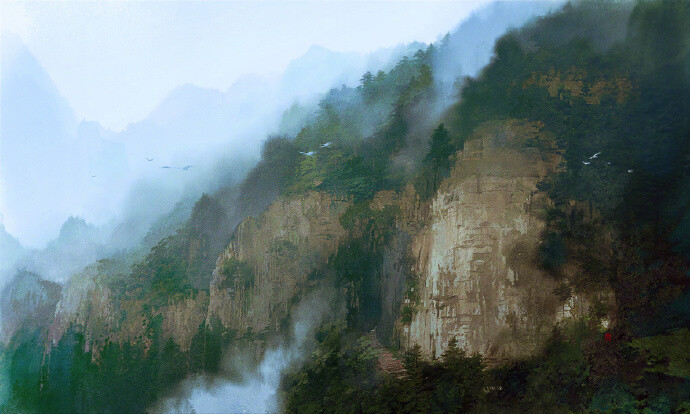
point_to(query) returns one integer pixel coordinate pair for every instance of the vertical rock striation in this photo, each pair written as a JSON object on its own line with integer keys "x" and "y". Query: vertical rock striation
{"x": 281, "y": 246}
{"x": 476, "y": 259}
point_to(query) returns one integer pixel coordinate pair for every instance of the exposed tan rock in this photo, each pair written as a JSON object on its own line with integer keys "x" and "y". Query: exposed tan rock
{"x": 282, "y": 245}
{"x": 475, "y": 259}
{"x": 576, "y": 83}
{"x": 181, "y": 318}
{"x": 472, "y": 248}
{"x": 87, "y": 304}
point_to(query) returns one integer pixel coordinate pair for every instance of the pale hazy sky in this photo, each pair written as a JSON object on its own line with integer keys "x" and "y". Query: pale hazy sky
{"x": 115, "y": 61}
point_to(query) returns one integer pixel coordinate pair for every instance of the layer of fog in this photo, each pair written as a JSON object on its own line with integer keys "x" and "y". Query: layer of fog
{"x": 461, "y": 54}
{"x": 472, "y": 42}
{"x": 76, "y": 192}
{"x": 256, "y": 389}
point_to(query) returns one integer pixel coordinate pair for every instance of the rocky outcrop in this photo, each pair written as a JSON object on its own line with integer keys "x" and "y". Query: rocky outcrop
{"x": 88, "y": 303}
{"x": 575, "y": 82}
{"x": 281, "y": 247}
{"x": 463, "y": 264}
{"x": 182, "y": 317}
{"x": 27, "y": 302}
{"x": 478, "y": 279}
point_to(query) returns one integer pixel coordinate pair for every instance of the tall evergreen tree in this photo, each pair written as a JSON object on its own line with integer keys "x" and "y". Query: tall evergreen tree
{"x": 441, "y": 148}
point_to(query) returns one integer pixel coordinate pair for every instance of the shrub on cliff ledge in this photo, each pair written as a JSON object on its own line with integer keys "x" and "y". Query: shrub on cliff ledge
{"x": 237, "y": 273}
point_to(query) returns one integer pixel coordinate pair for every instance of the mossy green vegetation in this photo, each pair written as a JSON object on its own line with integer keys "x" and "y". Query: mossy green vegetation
{"x": 357, "y": 264}
{"x": 347, "y": 147}
{"x": 343, "y": 376}
{"x": 237, "y": 273}
{"x": 123, "y": 377}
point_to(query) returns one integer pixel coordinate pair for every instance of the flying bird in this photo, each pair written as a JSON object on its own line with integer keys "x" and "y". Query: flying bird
{"x": 93, "y": 176}
{"x": 165, "y": 166}
{"x": 149, "y": 159}
{"x": 328, "y": 144}
{"x": 629, "y": 171}
{"x": 594, "y": 156}
{"x": 186, "y": 167}
{"x": 308, "y": 154}
{"x": 586, "y": 163}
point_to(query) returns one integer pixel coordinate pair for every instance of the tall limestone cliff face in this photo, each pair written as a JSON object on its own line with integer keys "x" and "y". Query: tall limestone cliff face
{"x": 472, "y": 250}
{"x": 280, "y": 247}
{"x": 102, "y": 315}
{"x": 86, "y": 304}
{"x": 27, "y": 302}
{"x": 478, "y": 277}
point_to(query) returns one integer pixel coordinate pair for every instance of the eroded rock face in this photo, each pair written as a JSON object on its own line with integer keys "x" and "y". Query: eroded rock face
{"x": 576, "y": 83}
{"x": 89, "y": 304}
{"x": 478, "y": 280}
{"x": 182, "y": 317}
{"x": 281, "y": 246}
{"x": 28, "y": 302}
{"x": 472, "y": 250}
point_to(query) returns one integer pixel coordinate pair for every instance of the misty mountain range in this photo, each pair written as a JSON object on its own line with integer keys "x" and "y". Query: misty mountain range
{"x": 492, "y": 222}
{"x": 78, "y": 168}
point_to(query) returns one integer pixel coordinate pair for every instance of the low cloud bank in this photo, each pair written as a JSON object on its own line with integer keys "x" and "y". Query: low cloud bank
{"x": 256, "y": 389}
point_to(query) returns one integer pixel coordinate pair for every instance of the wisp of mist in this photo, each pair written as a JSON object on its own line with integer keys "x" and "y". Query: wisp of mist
{"x": 256, "y": 392}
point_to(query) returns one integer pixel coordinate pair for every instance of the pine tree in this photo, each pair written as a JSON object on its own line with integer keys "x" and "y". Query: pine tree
{"x": 441, "y": 148}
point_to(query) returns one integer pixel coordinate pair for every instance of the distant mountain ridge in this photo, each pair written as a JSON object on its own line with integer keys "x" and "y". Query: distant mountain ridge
{"x": 80, "y": 164}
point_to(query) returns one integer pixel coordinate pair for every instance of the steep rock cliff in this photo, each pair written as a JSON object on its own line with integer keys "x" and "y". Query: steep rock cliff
{"x": 281, "y": 247}
{"x": 464, "y": 263}
{"x": 88, "y": 304}
{"x": 478, "y": 277}
{"x": 27, "y": 302}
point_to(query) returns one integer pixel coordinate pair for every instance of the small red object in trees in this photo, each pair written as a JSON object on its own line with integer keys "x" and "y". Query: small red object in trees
{"x": 607, "y": 337}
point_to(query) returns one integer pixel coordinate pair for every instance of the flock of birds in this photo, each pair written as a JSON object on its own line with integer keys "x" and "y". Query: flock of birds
{"x": 326, "y": 145}
{"x": 188, "y": 167}
{"x": 596, "y": 156}
{"x": 165, "y": 167}
{"x": 311, "y": 153}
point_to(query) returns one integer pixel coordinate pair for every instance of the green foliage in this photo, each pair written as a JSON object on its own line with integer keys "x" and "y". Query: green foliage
{"x": 335, "y": 170}
{"x": 437, "y": 163}
{"x": 632, "y": 204}
{"x": 440, "y": 148}
{"x": 406, "y": 314}
{"x": 613, "y": 397}
{"x": 552, "y": 251}
{"x": 162, "y": 274}
{"x": 179, "y": 264}
{"x": 120, "y": 378}
{"x": 342, "y": 376}
{"x": 668, "y": 354}
{"x": 236, "y": 273}
{"x": 411, "y": 299}
{"x": 557, "y": 380}
{"x": 357, "y": 263}
{"x": 461, "y": 383}
{"x": 280, "y": 160}
{"x": 356, "y": 131}
{"x": 622, "y": 218}
{"x": 339, "y": 378}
